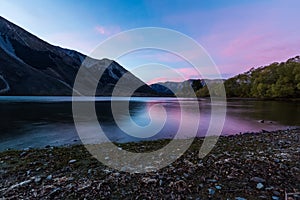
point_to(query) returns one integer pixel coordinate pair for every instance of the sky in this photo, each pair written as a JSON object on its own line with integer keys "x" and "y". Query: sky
{"x": 237, "y": 34}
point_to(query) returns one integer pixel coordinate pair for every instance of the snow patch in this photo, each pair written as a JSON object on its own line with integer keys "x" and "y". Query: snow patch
{"x": 6, "y": 88}
{"x": 74, "y": 54}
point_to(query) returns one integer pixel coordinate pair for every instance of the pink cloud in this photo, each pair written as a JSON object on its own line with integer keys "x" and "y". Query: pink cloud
{"x": 188, "y": 72}
{"x": 107, "y": 31}
{"x": 252, "y": 48}
{"x": 185, "y": 73}
{"x": 100, "y": 29}
{"x": 242, "y": 36}
{"x": 163, "y": 79}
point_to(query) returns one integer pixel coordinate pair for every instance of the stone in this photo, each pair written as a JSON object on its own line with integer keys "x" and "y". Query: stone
{"x": 259, "y": 186}
{"x": 239, "y": 198}
{"x": 72, "y": 161}
{"x": 148, "y": 180}
{"x": 258, "y": 180}
{"x": 211, "y": 191}
{"x": 218, "y": 187}
{"x": 23, "y": 154}
{"x": 275, "y": 198}
{"x": 37, "y": 179}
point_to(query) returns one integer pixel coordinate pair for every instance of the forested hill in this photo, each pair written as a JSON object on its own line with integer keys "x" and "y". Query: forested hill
{"x": 278, "y": 80}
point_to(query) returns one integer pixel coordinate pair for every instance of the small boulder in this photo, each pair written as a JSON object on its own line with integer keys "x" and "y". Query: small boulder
{"x": 258, "y": 180}
{"x": 72, "y": 161}
{"x": 259, "y": 186}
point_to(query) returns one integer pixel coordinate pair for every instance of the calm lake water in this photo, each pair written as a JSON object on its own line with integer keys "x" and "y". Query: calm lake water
{"x": 40, "y": 121}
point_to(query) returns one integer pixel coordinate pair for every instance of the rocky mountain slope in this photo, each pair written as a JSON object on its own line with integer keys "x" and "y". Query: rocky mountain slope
{"x": 31, "y": 66}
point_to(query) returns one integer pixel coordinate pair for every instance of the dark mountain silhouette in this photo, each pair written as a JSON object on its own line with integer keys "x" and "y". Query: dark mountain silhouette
{"x": 31, "y": 66}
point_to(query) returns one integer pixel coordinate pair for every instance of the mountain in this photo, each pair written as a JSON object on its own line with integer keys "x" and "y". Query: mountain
{"x": 277, "y": 80}
{"x": 31, "y": 66}
{"x": 178, "y": 88}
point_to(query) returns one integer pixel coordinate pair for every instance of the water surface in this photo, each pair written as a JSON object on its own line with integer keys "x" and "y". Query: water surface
{"x": 40, "y": 121}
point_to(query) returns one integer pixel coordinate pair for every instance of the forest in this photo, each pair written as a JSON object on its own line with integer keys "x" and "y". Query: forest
{"x": 277, "y": 80}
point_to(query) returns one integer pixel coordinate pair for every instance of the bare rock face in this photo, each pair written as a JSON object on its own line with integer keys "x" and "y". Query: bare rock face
{"x": 31, "y": 66}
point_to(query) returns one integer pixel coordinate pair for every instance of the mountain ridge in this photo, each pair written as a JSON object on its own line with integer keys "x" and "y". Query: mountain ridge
{"x": 32, "y": 66}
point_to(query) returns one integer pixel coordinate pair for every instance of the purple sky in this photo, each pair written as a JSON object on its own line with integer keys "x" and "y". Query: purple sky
{"x": 238, "y": 35}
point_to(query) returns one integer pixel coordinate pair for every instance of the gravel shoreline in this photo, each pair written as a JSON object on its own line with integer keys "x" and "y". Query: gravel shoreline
{"x": 261, "y": 165}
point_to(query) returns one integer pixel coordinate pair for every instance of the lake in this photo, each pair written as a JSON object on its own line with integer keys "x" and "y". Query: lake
{"x": 40, "y": 121}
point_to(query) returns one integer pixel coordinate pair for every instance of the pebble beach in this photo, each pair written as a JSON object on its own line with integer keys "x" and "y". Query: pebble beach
{"x": 263, "y": 165}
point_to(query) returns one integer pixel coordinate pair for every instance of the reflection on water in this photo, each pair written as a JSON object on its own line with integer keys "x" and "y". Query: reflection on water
{"x": 40, "y": 121}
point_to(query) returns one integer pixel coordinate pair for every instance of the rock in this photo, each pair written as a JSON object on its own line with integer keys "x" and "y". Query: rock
{"x": 20, "y": 184}
{"x": 117, "y": 174}
{"x": 47, "y": 146}
{"x": 295, "y": 169}
{"x": 269, "y": 188}
{"x": 259, "y": 186}
{"x": 276, "y": 160}
{"x": 211, "y": 191}
{"x": 258, "y": 180}
{"x": 212, "y": 180}
{"x": 150, "y": 168}
{"x": 275, "y": 198}
{"x": 239, "y": 198}
{"x": 72, "y": 161}
{"x": 23, "y": 154}
{"x": 262, "y": 197}
{"x": 49, "y": 177}
{"x": 54, "y": 191}
{"x": 37, "y": 179}
{"x": 107, "y": 171}
{"x": 218, "y": 187}
{"x": 180, "y": 185}
{"x": 160, "y": 182}
{"x": 148, "y": 180}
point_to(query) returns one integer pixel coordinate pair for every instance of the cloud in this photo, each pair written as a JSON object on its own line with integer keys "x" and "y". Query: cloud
{"x": 107, "y": 30}
{"x": 100, "y": 29}
{"x": 242, "y": 36}
{"x": 163, "y": 75}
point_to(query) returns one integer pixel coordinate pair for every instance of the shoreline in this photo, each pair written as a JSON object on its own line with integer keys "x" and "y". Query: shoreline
{"x": 289, "y": 99}
{"x": 77, "y": 142}
{"x": 261, "y": 165}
